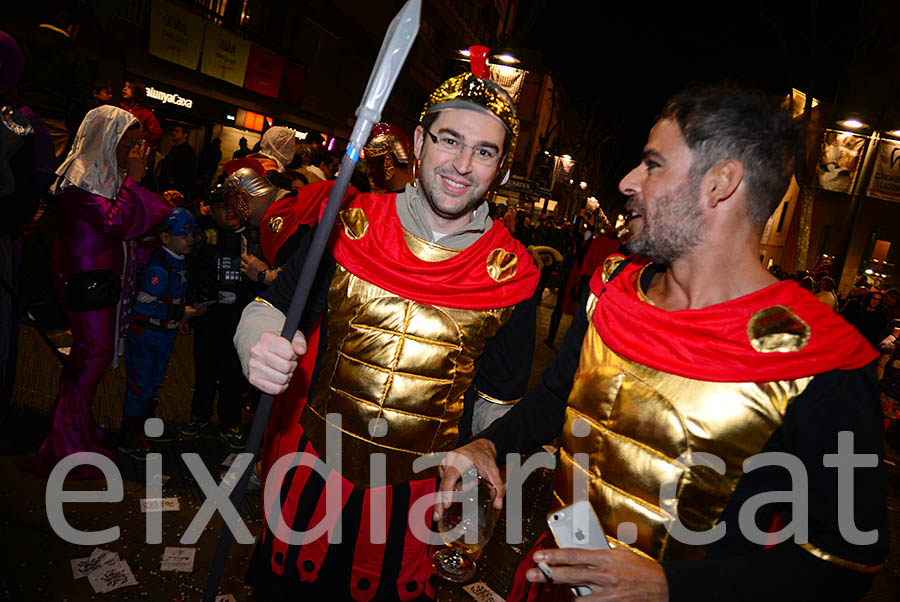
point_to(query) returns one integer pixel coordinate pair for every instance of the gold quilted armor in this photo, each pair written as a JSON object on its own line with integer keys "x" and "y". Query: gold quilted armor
{"x": 393, "y": 359}
{"x": 635, "y": 423}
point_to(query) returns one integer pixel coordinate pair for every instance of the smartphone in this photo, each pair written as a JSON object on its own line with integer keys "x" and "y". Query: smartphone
{"x": 577, "y": 526}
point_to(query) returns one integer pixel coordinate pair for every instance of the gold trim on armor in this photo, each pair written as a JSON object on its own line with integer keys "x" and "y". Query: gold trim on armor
{"x": 425, "y": 250}
{"x": 777, "y": 329}
{"x": 354, "y": 222}
{"x": 212, "y": 236}
{"x": 276, "y": 223}
{"x": 499, "y": 402}
{"x": 842, "y": 562}
{"x": 609, "y": 266}
{"x": 263, "y": 301}
{"x": 502, "y": 265}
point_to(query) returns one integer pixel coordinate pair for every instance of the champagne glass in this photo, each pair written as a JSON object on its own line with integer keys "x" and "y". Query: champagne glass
{"x": 465, "y": 527}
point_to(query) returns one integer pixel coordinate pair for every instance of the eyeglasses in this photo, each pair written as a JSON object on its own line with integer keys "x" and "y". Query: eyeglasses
{"x": 483, "y": 155}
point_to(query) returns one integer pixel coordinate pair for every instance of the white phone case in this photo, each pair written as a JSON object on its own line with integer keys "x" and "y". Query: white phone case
{"x": 577, "y": 526}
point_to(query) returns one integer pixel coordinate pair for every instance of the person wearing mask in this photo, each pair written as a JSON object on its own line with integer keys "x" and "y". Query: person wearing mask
{"x": 101, "y": 205}
{"x": 160, "y": 311}
{"x": 276, "y": 148}
{"x": 387, "y": 157}
{"x": 217, "y": 276}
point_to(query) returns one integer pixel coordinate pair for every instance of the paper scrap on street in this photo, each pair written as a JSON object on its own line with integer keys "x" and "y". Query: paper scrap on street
{"x": 481, "y": 592}
{"x": 225, "y": 598}
{"x": 111, "y": 577}
{"x": 229, "y": 459}
{"x": 82, "y": 567}
{"x": 178, "y": 559}
{"x": 165, "y": 504}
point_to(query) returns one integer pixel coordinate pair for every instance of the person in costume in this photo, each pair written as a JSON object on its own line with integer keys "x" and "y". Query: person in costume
{"x": 216, "y": 277}
{"x": 387, "y": 158}
{"x": 691, "y": 347}
{"x": 276, "y": 148}
{"x": 159, "y": 311}
{"x": 103, "y": 210}
{"x": 416, "y": 350}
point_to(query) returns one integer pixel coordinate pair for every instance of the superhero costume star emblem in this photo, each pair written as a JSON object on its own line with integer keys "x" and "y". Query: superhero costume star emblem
{"x": 182, "y": 273}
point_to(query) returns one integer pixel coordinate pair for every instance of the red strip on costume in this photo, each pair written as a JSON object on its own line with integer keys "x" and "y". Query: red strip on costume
{"x": 415, "y": 567}
{"x": 312, "y": 551}
{"x": 283, "y": 429}
{"x": 284, "y": 216}
{"x": 713, "y": 343}
{"x": 524, "y": 590}
{"x": 288, "y": 510}
{"x": 382, "y": 257}
{"x": 368, "y": 556}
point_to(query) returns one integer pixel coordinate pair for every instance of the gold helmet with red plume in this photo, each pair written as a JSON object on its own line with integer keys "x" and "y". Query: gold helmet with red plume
{"x": 475, "y": 91}
{"x": 388, "y": 149}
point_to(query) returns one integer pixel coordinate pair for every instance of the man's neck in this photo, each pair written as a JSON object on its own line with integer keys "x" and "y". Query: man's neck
{"x": 448, "y": 226}
{"x": 710, "y": 274}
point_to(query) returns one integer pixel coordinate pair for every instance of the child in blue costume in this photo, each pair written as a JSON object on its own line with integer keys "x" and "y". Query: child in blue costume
{"x": 159, "y": 309}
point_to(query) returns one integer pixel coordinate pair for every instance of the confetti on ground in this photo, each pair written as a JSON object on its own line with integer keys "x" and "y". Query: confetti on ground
{"x": 165, "y": 504}
{"x": 178, "y": 559}
{"x": 82, "y": 567}
{"x": 111, "y": 577}
{"x": 225, "y": 598}
{"x": 481, "y": 592}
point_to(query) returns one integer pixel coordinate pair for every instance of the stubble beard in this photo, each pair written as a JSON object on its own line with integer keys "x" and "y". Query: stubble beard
{"x": 432, "y": 193}
{"x": 675, "y": 229}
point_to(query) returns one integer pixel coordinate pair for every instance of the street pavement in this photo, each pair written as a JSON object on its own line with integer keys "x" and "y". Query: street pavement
{"x": 38, "y": 562}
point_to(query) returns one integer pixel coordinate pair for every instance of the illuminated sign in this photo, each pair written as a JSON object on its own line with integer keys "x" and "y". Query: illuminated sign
{"x": 167, "y": 98}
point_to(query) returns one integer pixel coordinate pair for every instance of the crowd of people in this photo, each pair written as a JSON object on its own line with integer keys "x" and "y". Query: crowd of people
{"x": 419, "y": 331}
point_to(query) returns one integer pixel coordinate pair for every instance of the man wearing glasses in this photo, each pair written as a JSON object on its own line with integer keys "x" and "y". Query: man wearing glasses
{"x": 421, "y": 322}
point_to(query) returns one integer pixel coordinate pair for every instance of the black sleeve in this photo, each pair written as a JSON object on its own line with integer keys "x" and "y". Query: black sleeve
{"x": 785, "y": 572}
{"x": 281, "y": 291}
{"x": 834, "y": 402}
{"x": 539, "y": 417}
{"x": 174, "y": 312}
{"x": 503, "y": 369}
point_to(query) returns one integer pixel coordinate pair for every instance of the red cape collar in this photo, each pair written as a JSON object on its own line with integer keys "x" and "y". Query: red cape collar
{"x": 713, "y": 344}
{"x": 286, "y": 215}
{"x": 382, "y": 256}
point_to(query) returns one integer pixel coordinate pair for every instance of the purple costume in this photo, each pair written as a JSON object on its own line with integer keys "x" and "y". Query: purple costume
{"x": 93, "y": 235}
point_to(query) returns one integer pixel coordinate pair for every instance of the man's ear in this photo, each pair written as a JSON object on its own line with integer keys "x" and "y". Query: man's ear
{"x": 722, "y": 180}
{"x": 165, "y": 237}
{"x": 418, "y": 141}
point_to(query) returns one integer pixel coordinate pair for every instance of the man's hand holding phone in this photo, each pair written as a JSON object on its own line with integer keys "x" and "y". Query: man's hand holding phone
{"x": 585, "y": 562}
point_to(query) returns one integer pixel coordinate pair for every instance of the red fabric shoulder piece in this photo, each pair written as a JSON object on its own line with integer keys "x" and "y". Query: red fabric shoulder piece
{"x": 780, "y": 332}
{"x": 494, "y": 272}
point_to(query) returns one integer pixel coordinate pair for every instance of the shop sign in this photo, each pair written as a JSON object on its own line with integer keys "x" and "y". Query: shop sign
{"x": 839, "y": 161}
{"x": 516, "y": 183}
{"x": 885, "y": 181}
{"x": 264, "y": 69}
{"x": 169, "y": 98}
{"x": 175, "y": 34}
{"x": 224, "y": 55}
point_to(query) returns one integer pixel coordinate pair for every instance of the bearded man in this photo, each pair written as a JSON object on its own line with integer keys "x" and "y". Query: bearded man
{"x": 421, "y": 323}
{"x": 682, "y": 366}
